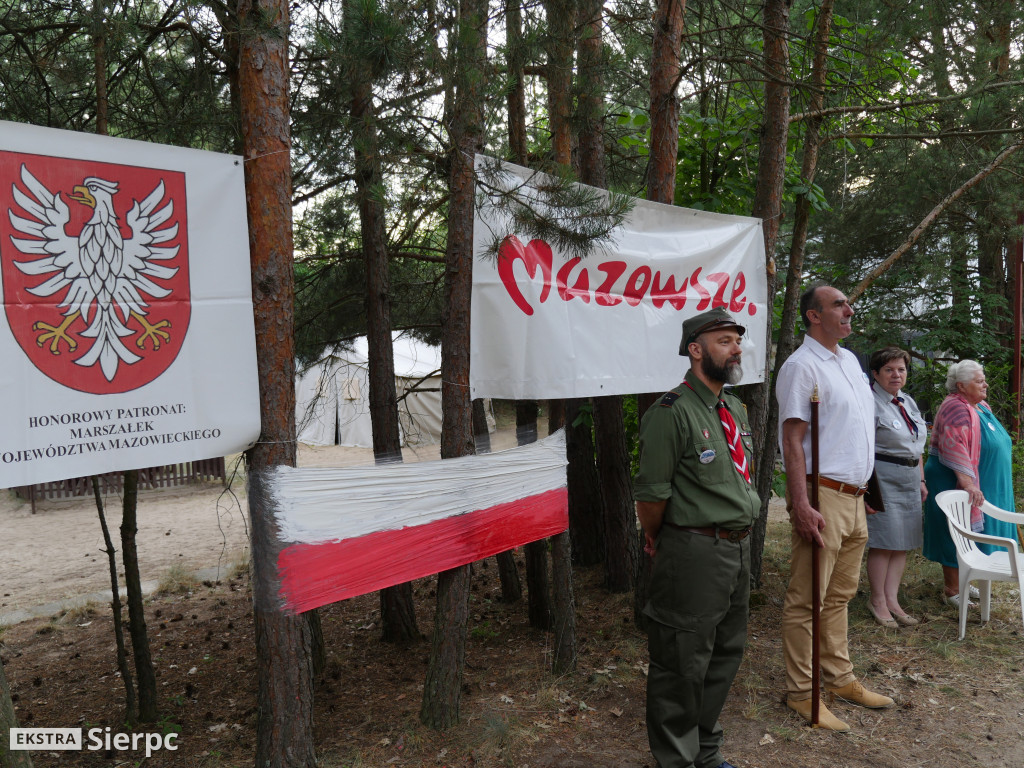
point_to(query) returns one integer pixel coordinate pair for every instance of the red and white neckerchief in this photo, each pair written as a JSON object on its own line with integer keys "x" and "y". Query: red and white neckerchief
{"x": 732, "y": 437}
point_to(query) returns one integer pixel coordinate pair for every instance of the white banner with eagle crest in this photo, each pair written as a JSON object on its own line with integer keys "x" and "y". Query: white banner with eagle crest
{"x": 127, "y": 334}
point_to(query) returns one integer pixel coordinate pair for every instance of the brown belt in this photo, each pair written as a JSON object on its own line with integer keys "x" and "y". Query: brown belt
{"x": 713, "y": 531}
{"x": 835, "y": 485}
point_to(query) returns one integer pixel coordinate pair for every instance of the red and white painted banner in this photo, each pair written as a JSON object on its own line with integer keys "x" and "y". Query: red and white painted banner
{"x": 127, "y": 331}
{"x": 546, "y": 326}
{"x": 347, "y": 532}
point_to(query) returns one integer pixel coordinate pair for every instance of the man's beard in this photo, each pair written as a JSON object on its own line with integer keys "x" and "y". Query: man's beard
{"x": 727, "y": 374}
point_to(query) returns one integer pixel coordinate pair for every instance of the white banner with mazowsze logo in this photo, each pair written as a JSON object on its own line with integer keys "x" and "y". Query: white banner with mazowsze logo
{"x": 127, "y": 333}
{"x": 548, "y": 326}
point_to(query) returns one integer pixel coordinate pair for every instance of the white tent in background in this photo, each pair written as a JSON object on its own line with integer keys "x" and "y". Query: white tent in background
{"x": 332, "y": 405}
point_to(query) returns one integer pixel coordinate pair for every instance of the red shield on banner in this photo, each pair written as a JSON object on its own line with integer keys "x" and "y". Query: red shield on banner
{"x": 95, "y": 268}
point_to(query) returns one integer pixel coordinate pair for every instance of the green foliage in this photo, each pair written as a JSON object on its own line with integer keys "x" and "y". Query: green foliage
{"x": 484, "y": 631}
{"x": 169, "y": 88}
{"x": 718, "y": 157}
{"x": 1018, "y": 471}
{"x": 779, "y": 482}
{"x": 585, "y": 415}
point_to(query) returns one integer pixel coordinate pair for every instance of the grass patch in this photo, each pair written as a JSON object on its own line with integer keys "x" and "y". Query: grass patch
{"x": 177, "y": 581}
{"x": 80, "y": 614}
{"x": 239, "y": 567}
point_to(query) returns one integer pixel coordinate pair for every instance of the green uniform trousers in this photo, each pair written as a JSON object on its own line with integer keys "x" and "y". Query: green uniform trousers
{"x": 700, "y": 590}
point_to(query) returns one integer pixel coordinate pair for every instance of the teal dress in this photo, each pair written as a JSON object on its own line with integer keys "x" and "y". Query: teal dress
{"x": 995, "y": 468}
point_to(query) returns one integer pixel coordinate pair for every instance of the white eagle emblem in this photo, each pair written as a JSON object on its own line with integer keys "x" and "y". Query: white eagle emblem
{"x": 106, "y": 275}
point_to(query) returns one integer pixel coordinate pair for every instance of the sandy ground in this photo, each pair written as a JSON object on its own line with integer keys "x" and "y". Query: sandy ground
{"x": 57, "y": 553}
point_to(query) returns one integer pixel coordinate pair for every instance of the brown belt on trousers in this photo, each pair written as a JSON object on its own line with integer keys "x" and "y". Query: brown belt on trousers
{"x": 713, "y": 531}
{"x": 835, "y": 485}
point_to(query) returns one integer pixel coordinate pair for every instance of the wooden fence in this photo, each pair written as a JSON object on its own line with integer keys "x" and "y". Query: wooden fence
{"x": 187, "y": 473}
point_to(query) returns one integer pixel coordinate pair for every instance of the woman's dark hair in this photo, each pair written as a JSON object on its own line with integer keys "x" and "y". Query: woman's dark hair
{"x": 886, "y": 355}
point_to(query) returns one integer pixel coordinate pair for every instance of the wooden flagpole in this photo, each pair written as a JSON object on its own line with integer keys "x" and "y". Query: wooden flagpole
{"x": 816, "y": 570}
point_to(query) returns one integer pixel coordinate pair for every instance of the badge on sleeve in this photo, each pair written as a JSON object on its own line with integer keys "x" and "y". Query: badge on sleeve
{"x": 706, "y": 457}
{"x": 705, "y": 432}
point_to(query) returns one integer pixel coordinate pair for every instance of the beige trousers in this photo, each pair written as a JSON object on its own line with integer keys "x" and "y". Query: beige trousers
{"x": 845, "y": 536}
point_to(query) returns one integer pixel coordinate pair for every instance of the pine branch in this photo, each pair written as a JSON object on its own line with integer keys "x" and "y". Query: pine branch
{"x": 926, "y": 136}
{"x": 570, "y": 217}
{"x": 927, "y": 221}
{"x": 894, "y": 106}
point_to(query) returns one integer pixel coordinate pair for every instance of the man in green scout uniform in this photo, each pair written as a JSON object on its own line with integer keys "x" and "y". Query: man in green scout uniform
{"x": 696, "y": 504}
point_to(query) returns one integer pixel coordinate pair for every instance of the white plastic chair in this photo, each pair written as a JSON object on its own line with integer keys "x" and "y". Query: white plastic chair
{"x": 1005, "y": 564}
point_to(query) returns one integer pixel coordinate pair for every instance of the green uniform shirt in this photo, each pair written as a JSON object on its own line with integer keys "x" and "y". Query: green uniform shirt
{"x": 685, "y": 459}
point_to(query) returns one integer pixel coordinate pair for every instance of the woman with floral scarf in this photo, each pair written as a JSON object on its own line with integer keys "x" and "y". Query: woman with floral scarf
{"x": 971, "y": 451}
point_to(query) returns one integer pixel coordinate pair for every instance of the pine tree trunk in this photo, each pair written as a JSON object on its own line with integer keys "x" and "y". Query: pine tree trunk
{"x": 397, "y": 611}
{"x": 131, "y": 707}
{"x": 590, "y": 92}
{"x": 136, "y": 609}
{"x": 561, "y": 18}
{"x": 538, "y": 598}
{"x": 526, "y": 422}
{"x": 538, "y": 603}
{"x": 809, "y": 166}
{"x": 525, "y": 411}
{"x": 563, "y": 603}
{"x": 508, "y": 574}
{"x": 586, "y": 506}
{"x": 765, "y": 466}
{"x": 317, "y": 649}
{"x": 620, "y": 517}
{"x": 516, "y": 99}
{"x": 284, "y": 720}
{"x": 398, "y": 615}
{"x": 556, "y": 415}
{"x": 661, "y": 166}
{"x": 993, "y": 245}
{"x": 9, "y": 758}
{"x": 771, "y": 169}
{"x": 442, "y": 689}
{"x": 586, "y": 502}
{"x": 481, "y": 433}
{"x": 613, "y": 464}
{"x": 563, "y": 658}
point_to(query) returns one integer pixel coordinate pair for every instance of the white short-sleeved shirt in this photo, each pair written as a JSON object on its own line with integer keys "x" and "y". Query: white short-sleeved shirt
{"x": 846, "y": 413}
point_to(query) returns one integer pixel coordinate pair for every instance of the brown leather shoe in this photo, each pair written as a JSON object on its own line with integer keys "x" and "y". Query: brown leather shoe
{"x": 826, "y": 720}
{"x": 855, "y": 693}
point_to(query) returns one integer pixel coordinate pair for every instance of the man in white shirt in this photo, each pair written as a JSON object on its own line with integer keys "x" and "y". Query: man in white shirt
{"x": 839, "y": 526}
